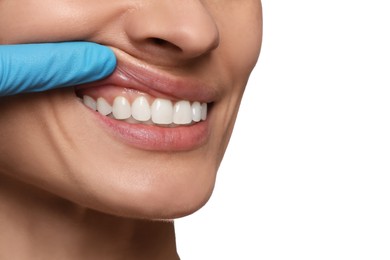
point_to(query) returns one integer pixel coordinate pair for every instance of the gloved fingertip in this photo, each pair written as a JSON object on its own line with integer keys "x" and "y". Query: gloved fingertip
{"x": 86, "y": 62}
{"x": 110, "y": 58}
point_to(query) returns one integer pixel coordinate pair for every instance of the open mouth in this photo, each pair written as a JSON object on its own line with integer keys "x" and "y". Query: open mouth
{"x": 147, "y": 122}
{"x": 150, "y": 109}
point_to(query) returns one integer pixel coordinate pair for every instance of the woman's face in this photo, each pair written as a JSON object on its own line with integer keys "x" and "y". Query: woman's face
{"x": 174, "y": 55}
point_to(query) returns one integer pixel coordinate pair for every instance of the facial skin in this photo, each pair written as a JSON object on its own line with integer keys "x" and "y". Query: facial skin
{"x": 56, "y": 144}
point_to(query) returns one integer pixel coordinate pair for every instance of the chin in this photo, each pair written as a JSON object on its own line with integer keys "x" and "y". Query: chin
{"x": 157, "y": 191}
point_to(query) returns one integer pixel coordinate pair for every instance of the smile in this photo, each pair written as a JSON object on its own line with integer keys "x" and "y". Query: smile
{"x": 150, "y": 109}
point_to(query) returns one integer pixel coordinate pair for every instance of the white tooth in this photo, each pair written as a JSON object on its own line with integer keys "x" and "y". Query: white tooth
{"x": 162, "y": 111}
{"x": 103, "y": 107}
{"x": 204, "y": 111}
{"x": 141, "y": 109}
{"x": 182, "y": 113}
{"x": 121, "y": 108}
{"x": 89, "y": 102}
{"x": 196, "y": 111}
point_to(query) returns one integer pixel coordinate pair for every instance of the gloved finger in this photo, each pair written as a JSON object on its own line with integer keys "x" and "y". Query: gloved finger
{"x": 43, "y": 66}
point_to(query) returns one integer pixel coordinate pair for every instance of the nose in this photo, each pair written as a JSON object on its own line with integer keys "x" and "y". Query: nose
{"x": 173, "y": 29}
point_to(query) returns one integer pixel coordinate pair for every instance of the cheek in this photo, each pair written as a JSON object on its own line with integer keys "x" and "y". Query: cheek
{"x": 51, "y": 21}
{"x": 26, "y": 146}
{"x": 241, "y": 39}
{"x": 238, "y": 52}
{"x": 30, "y": 21}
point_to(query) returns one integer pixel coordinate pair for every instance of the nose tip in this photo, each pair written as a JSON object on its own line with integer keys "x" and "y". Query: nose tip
{"x": 180, "y": 30}
{"x": 188, "y": 41}
{"x": 198, "y": 39}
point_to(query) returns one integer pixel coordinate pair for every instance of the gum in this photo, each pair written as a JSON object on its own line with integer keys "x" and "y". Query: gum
{"x": 109, "y": 93}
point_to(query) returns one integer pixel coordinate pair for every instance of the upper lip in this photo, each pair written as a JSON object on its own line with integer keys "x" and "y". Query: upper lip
{"x": 134, "y": 74}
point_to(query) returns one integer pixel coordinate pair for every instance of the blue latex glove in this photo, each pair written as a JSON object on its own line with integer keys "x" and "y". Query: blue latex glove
{"x": 43, "y": 66}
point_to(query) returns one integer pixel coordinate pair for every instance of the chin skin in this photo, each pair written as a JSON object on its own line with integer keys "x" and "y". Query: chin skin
{"x": 52, "y": 141}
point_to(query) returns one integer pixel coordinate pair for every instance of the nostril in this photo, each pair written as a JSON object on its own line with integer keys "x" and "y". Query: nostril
{"x": 158, "y": 42}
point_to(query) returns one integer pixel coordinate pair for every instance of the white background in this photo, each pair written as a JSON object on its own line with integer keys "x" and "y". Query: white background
{"x": 306, "y": 175}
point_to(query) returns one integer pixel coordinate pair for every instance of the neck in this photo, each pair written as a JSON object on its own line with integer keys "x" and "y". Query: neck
{"x": 37, "y": 225}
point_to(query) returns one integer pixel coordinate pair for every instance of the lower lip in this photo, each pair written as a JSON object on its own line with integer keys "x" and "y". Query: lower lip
{"x": 157, "y": 138}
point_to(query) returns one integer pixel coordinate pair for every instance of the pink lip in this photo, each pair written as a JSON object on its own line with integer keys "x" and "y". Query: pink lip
{"x": 131, "y": 73}
{"x": 134, "y": 75}
{"x": 156, "y": 138}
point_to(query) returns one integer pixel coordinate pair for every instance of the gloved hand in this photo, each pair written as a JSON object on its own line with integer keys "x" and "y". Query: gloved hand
{"x": 43, "y": 66}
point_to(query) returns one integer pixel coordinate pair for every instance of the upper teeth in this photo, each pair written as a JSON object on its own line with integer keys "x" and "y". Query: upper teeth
{"x": 161, "y": 111}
